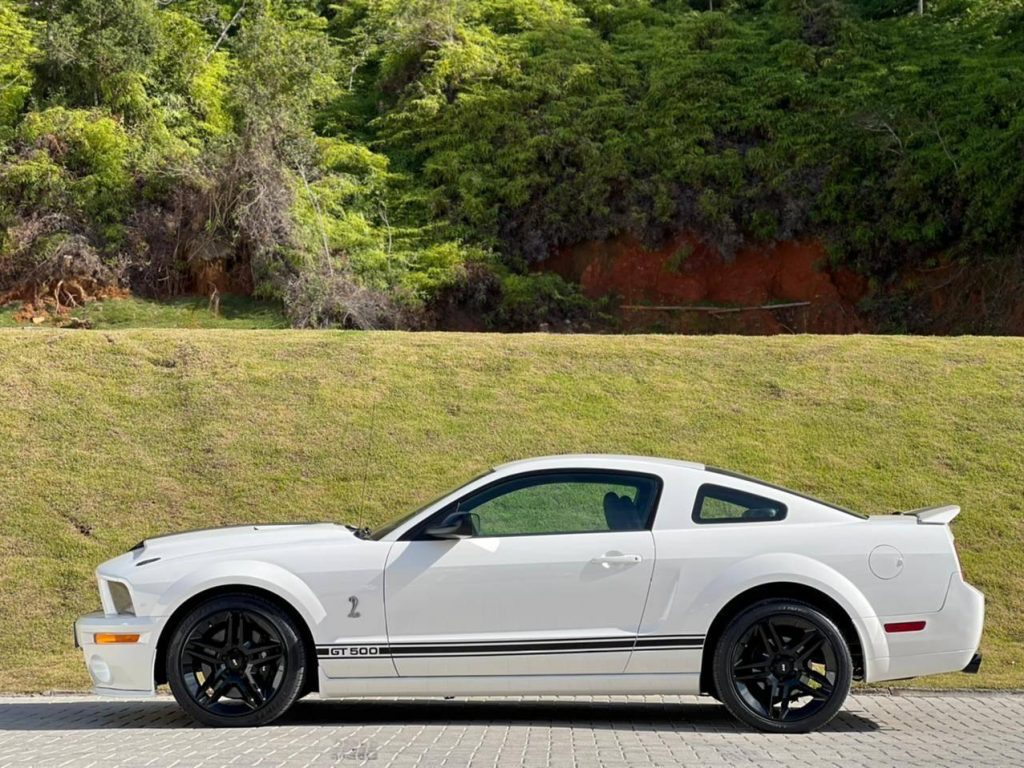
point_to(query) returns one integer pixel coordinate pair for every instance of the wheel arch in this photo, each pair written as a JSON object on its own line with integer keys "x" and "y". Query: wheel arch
{"x": 781, "y": 590}
{"x": 183, "y": 608}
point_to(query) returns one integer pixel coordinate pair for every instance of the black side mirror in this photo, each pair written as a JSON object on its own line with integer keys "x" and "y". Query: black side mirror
{"x": 458, "y": 525}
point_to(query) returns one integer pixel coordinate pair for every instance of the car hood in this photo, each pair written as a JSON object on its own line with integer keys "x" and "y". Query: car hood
{"x": 235, "y": 537}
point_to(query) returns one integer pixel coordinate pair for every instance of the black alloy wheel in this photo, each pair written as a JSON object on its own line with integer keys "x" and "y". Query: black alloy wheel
{"x": 783, "y": 666}
{"x": 237, "y": 660}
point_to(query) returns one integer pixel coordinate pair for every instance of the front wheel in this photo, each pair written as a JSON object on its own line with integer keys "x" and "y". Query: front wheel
{"x": 782, "y": 666}
{"x": 236, "y": 660}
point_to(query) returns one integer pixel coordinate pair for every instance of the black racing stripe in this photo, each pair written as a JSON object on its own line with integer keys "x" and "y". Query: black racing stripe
{"x": 536, "y": 641}
{"x": 508, "y": 647}
{"x": 569, "y": 645}
{"x": 682, "y": 642}
{"x": 510, "y": 653}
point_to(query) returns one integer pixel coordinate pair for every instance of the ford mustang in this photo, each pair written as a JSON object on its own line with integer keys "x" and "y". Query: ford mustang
{"x": 557, "y": 575}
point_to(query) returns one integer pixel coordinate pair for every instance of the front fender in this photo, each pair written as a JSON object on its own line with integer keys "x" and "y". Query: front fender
{"x": 247, "y": 573}
{"x": 775, "y": 568}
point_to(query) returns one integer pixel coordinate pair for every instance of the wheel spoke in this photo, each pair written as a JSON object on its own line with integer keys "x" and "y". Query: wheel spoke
{"x": 776, "y": 640}
{"x": 821, "y": 680}
{"x": 787, "y": 691}
{"x": 801, "y": 645}
{"x": 251, "y": 692}
{"x": 809, "y": 643}
{"x": 203, "y": 652}
{"x": 818, "y": 694}
{"x": 268, "y": 648}
{"x": 749, "y": 676}
{"x": 771, "y": 699}
{"x": 213, "y": 688}
{"x": 764, "y": 639}
{"x": 239, "y": 639}
{"x": 750, "y": 665}
{"x": 229, "y": 631}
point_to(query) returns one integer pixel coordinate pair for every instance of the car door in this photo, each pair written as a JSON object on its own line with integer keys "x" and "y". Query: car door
{"x": 552, "y": 579}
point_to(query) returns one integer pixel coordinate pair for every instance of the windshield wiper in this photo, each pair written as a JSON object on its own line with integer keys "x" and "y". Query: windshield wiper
{"x": 359, "y": 533}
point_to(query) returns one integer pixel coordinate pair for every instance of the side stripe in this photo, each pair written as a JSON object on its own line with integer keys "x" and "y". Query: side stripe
{"x": 358, "y": 650}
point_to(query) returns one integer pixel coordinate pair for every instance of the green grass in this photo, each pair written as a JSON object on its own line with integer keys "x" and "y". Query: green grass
{"x": 107, "y": 437}
{"x": 237, "y": 312}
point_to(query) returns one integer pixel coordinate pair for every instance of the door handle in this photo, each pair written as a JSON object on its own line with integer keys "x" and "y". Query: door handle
{"x": 610, "y": 560}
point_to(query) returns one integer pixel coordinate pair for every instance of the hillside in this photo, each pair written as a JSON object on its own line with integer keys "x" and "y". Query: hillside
{"x": 407, "y": 163}
{"x": 108, "y": 437}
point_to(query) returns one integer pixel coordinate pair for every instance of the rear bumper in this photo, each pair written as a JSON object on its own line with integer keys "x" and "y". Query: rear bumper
{"x": 123, "y": 669}
{"x": 948, "y": 643}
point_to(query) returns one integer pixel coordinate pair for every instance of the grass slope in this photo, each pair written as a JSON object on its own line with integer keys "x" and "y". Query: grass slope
{"x": 237, "y": 312}
{"x": 107, "y": 437}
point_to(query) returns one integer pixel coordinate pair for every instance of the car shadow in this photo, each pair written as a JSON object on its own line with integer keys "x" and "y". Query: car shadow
{"x": 43, "y": 715}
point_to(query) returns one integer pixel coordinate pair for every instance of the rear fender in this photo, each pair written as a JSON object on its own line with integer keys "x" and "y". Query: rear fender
{"x": 773, "y": 568}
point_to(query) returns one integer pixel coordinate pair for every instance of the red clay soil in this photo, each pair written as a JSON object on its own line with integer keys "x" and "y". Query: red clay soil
{"x": 686, "y": 272}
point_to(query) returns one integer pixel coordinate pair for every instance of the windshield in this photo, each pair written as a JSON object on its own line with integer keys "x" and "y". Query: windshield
{"x": 379, "y": 533}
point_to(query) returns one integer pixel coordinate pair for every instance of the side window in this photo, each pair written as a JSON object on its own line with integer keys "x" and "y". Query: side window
{"x": 717, "y": 504}
{"x": 569, "y": 502}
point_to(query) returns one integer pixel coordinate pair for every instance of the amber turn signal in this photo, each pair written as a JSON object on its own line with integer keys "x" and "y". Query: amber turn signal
{"x": 105, "y": 638}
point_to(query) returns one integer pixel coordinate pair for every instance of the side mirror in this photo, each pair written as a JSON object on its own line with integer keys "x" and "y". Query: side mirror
{"x": 459, "y": 525}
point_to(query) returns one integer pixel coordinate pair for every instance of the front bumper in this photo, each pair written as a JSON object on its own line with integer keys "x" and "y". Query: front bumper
{"x": 122, "y": 669}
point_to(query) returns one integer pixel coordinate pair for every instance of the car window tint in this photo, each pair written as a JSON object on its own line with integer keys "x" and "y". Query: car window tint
{"x": 717, "y": 504}
{"x": 564, "y": 503}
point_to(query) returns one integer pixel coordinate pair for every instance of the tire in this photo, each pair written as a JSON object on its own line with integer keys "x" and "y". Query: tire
{"x": 782, "y": 666}
{"x": 237, "y": 660}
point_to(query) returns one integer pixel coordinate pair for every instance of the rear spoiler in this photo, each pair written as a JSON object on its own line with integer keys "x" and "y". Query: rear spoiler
{"x": 942, "y": 515}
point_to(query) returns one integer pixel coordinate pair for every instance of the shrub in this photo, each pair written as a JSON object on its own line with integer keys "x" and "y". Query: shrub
{"x": 324, "y": 299}
{"x": 541, "y": 301}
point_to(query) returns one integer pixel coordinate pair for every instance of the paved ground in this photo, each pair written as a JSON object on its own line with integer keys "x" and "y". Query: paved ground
{"x": 874, "y": 730}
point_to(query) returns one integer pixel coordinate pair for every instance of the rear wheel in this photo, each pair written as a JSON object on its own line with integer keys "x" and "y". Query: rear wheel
{"x": 782, "y": 666}
{"x": 236, "y": 660}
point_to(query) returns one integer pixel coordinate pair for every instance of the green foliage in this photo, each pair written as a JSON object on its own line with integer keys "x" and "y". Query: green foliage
{"x": 17, "y": 42}
{"x": 531, "y": 301}
{"x": 396, "y": 144}
{"x": 76, "y": 162}
{"x": 97, "y": 51}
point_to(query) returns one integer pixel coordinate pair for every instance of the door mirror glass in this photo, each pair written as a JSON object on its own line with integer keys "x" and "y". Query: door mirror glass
{"x": 458, "y": 525}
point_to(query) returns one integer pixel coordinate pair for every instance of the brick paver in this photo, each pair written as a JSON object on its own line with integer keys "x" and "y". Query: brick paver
{"x": 611, "y": 732}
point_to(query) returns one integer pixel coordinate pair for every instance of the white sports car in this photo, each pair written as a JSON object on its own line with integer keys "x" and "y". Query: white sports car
{"x": 558, "y": 575}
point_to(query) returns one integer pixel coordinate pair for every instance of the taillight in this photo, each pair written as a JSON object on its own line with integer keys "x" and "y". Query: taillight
{"x": 905, "y": 626}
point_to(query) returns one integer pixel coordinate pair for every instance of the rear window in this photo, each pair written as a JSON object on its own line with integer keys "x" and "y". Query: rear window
{"x": 718, "y": 504}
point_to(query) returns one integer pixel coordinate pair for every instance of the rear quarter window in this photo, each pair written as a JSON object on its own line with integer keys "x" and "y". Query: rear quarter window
{"x": 718, "y": 504}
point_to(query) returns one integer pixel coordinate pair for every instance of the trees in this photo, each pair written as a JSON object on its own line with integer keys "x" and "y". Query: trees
{"x": 288, "y": 146}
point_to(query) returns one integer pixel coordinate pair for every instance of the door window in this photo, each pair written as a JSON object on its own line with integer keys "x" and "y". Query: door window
{"x": 563, "y": 502}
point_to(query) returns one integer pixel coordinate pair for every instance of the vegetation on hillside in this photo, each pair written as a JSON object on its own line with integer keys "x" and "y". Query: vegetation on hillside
{"x": 381, "y": 162}
{"x": 113, "y": 436}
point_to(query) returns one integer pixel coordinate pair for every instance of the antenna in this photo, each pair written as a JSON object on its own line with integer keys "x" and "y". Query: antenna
{"x": 368, "y": 458}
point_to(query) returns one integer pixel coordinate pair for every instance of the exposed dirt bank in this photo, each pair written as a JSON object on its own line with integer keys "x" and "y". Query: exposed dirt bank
{"x": 686, "y": 272}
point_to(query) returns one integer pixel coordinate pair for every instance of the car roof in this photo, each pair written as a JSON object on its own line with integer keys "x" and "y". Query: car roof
{"x": 597, "y": 460}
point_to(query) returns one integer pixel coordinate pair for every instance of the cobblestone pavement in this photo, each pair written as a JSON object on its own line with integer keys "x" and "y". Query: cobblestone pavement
{"x": 613, "y": 732}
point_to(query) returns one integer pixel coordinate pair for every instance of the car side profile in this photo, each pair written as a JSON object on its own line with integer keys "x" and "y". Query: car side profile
{"x": 558, "y": 575}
